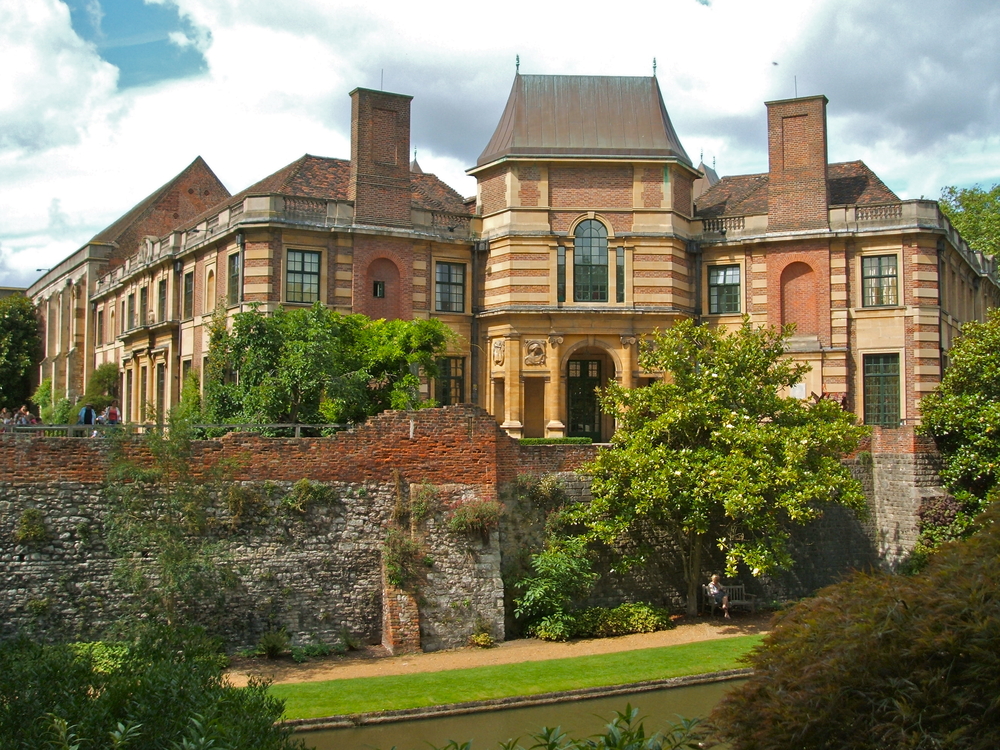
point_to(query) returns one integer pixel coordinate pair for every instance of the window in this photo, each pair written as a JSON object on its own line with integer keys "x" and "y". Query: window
{"x": 131, "y": 311}
{"x": 451, "y": 381}
{"x": 185, "y": 369}
{"x": 449, "y": 291}
{"x": 878, "y": 281}
{"x": 620, "y": 274}
{"x": 560, "y": 274}
{"x": 161, "y": 300}
{"x": 233, "y": 288}
{"x": 378, "y": 289}
{"x": 161, "y": 390}
{"x": 590, "y": 262}
{"x": 723, "y": 290}
{"x": 143, "y": 305}
{"x": 189, "y": 294}
{"x": 143, "y": 392}
{"x": 302, "y": 278}
{"x": 881, "y": 383}
{"x": 99, "y": 333}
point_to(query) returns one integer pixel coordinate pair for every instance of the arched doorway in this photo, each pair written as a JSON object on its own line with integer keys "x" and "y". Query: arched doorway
{"x": 588, "y": 370}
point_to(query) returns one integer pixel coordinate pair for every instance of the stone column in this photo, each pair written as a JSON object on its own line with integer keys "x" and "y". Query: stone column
{"x": 512, "y": 387}
{"x": 554, "y": 388}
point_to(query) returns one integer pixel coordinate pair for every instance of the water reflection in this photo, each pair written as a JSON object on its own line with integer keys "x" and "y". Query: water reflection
{"x": 579, "y": 718}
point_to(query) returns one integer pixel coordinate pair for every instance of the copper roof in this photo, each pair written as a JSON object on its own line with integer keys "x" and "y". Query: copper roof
{"x": 848, "y": 183}
{"x": 591, "y": 116}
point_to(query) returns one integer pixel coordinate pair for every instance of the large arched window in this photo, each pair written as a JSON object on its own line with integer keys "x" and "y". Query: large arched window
{"x": 590, "y": 262}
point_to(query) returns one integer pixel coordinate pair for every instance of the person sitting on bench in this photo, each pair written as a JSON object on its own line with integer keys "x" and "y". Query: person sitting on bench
{"x": 716, "y": 591}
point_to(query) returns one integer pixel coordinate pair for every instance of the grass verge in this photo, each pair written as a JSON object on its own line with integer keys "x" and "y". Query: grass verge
{"x": 307, "y": 700}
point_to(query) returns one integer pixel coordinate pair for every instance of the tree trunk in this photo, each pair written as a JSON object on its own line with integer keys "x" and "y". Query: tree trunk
{"x": 693, "y": 572}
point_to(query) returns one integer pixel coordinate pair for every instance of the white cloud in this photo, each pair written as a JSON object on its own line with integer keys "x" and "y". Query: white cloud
{"x": 75, "y": 153}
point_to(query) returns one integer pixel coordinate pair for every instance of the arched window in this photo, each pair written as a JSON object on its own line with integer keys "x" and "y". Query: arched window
{"x": 590, "y": 262}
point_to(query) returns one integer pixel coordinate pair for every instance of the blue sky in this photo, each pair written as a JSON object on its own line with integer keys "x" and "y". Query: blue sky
{"x": 102, "y": 101}
{"x": 135, "y": 37}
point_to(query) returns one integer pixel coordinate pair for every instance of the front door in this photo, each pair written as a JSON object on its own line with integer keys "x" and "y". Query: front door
{"x": 584, "y": 411}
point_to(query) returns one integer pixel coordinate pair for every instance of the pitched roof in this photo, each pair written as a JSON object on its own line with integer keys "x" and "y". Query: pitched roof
{"x": 326, "y": 178}
{"x": 594, "y": 116}
{"x": 114, "y": 232}
{"x": 848, "y": 183}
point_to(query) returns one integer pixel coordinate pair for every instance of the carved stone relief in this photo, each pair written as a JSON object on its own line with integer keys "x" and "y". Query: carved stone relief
{"x": 498, "y": 352}
{"x": 535, "y": 355}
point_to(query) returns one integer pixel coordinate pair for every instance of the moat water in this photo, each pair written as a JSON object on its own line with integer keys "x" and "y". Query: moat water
{"x": 580, "y": 718}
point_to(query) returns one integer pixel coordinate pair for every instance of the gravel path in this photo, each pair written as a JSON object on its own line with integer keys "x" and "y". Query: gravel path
{"x": 374, "y": 661}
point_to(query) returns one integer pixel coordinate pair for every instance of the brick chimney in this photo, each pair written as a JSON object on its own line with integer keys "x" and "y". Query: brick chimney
{"x": 796, "y": 140}
{"x": 380, "y": 157}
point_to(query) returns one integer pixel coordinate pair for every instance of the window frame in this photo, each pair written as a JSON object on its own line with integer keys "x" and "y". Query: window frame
{"x": 161, "y": 300}
{"x": 879, "y": 291}
{"x": 725, "y": 298}
{"x": 882, "y": 391}
{"x": 187, "y": 300}
{"x": 303, "y": 276}
{"x": 590, "y": 261}
{"x": 233, "y": 275}
{"x": 449, "y": 294}
{"x": 449, "y": 388}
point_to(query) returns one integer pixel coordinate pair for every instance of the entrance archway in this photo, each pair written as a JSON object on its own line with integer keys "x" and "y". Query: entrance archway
{"x": 588, "y": 370}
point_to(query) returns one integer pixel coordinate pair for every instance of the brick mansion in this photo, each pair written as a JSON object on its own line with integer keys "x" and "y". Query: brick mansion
{"x": 590, "y": 228}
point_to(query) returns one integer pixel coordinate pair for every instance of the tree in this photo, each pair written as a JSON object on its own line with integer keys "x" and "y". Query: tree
{"x": 317, "y": 366}
{"x": 102, "y": 388}
{"x": 963, "y": 416}
{"x": 19, "y": 348}
{"x": 882, "y": 661}
{"x": 975, "y": 213}
{"x": 158, "y": 690}
{"x": 714, "y": 454}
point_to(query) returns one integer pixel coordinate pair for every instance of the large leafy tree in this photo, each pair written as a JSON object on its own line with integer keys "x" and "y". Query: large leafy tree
{"x": 975, "y": 213}
{"x": 19, "y": 348}
{"x": 315, "y": 365}
{"x": 714, "y": 454}
{"x": 963, "y": 415}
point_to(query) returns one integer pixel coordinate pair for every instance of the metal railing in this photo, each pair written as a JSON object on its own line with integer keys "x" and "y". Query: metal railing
{"x": 208, "y": 431}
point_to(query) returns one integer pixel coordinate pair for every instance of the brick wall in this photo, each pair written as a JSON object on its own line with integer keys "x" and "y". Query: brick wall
{"x": 380, "y": 158}
{"x": 530, "y": 179}
{"x": 590, "y": 187}
{"x": 493, "y": 191}
{"x": 798, "y": 287}
{"x": 386, "y": 259}
{"x": 797, "y": 189}
{"x": 652, "y": 187}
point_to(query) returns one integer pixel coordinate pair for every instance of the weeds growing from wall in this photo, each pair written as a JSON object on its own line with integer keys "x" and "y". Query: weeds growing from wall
{"x": 160, "y": 527}
{"x": 31, "y": 527}
{"x": 402, "y": 557}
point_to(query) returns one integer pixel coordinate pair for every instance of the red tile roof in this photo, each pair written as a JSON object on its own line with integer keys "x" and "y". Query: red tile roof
{"x": 326, "y": 178}
{"x": 848, "y": 183}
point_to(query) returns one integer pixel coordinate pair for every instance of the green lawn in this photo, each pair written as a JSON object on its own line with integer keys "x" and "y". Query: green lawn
{"x": 307, "y": 700}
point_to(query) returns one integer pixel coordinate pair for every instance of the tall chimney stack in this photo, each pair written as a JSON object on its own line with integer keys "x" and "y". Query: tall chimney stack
{"x": 380, "y": 164}
{"x": 797, "y": 189}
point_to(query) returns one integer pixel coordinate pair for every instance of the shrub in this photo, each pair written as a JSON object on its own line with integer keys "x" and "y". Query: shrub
{"x": 31, "y": 527}
{"x": 158, "y": 691}
{"x": 556, "y": 441}
{"x": 273, "y": 643}
{"x": 401, "y": 556}
{"x": 882, "y": 661}
{"x": 304, "y": 494}
{"x": 602, "y": 622}
{"x": 563, "y": 575}
{"x": 476, "y": 516}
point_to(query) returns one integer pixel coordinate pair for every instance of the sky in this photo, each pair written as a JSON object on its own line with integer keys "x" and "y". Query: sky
{"x": 103, "y": 101}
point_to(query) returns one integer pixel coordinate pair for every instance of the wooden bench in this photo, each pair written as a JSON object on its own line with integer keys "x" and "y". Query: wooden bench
{"x": 738, "y": 597}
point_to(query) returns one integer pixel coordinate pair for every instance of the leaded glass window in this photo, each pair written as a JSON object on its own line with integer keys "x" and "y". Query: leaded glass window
{"x": 881, "y": 376}
{"x": 723, "y": 290}
{"x": 302, "y": 276}
{"x": 879, "y": 284}
{"x": 590, "y": 262}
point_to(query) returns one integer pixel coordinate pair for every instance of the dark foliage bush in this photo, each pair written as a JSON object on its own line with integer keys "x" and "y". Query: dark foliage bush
{"x": 603, "y": 622}
{"x": 882, "y": 661}
{"x": 164, "y": 689}
{"x": 556, "y": 441}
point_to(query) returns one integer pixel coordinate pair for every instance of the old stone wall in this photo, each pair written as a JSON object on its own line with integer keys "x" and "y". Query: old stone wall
{"x": 317, "y": 569}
